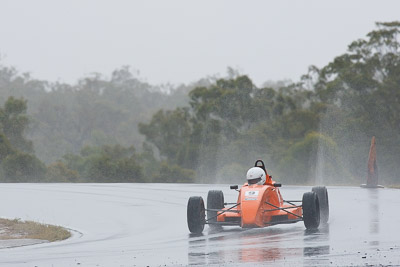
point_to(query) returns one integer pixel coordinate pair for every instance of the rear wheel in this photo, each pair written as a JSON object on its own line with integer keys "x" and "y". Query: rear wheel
{"x": 322, "y": 194}
{"x": 311, "y": 216}
{"x": 215, "y": 201}
{"x": 196, "y": 215}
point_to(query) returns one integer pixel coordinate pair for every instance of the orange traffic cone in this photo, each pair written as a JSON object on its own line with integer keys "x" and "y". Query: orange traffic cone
{"x": 372, "y": 174}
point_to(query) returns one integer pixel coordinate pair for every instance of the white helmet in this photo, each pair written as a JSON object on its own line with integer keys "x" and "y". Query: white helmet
{"x": 256, "y": 175}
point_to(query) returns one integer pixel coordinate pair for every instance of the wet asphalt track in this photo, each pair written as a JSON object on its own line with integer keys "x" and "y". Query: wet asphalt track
{"x": 145, "y": 225}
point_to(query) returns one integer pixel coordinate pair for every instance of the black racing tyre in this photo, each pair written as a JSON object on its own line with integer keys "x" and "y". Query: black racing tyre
{"x": 215, "y": 200}
{"x": 311, "y": 216}
{"x": 196, "y": 215}
{"x": 322, "y": 194}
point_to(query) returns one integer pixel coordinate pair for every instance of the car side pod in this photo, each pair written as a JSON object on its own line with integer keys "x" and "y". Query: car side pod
{"x": 311, "y": 211}
{"x": 196, "y": 215}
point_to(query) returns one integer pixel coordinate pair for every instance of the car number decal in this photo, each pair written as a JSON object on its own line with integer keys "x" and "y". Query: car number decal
{"x": 251, "y": 194}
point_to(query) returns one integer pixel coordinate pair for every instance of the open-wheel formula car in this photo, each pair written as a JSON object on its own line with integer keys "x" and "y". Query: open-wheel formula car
{"x": 259, "y": 204}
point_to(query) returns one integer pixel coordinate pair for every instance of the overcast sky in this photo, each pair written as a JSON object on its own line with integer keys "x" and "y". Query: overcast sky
{"x": 181, "y": 41}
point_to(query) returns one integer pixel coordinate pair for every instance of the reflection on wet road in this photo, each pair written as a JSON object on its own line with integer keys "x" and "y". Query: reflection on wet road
{"x": 145, "y": 224}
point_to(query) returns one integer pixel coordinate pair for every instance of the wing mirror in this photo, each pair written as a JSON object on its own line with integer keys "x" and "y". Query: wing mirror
{"x": 235, "y": 187}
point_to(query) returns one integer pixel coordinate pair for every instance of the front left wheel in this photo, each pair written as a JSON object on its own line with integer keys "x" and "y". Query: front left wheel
{"x": 311, "y": 215}
{"x": 196, "y": 215}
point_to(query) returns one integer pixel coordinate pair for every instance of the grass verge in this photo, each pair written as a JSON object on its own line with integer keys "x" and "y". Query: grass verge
{"x": 18, "y": 229}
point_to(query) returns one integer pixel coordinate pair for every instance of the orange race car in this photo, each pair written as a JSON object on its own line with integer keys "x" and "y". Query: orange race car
{"x": 259, "y": 204}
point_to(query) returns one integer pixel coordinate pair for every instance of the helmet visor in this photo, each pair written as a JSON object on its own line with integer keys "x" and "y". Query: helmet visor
{"x": 254, "y": 181}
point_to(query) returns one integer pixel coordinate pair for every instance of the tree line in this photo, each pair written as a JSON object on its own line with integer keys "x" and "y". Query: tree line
{"x": 122, "y": 129}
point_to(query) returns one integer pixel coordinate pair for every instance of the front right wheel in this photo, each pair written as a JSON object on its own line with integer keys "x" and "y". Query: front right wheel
{"x": 196, "y": 215}
{"x": 311, "y": 213}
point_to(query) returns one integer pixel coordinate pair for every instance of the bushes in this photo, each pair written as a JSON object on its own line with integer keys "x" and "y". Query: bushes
{"x": 103, "y": 168}
{"x": 173, "y": 174}
{"x": 303, "y": 164}
{"x": 22, "y": 167}
{"x": 106, "y": 164}
{"x": 58, "y": 172}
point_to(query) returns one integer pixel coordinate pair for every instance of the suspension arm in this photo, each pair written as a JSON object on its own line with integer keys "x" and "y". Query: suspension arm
{"x": 284, "y": 209}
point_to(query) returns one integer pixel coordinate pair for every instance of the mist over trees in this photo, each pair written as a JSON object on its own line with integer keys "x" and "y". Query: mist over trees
{"x": 122, "y": 129}
{"x": 315, "y": 131}
{"x": 17, "y": 162}
{"x": 95, "y": 111}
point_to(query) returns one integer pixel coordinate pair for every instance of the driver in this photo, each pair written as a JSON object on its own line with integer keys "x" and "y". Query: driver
{"x": 256, "y": 175}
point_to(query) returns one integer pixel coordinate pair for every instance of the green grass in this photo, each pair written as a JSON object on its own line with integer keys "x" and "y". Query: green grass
{"x": 17, "y": 229}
